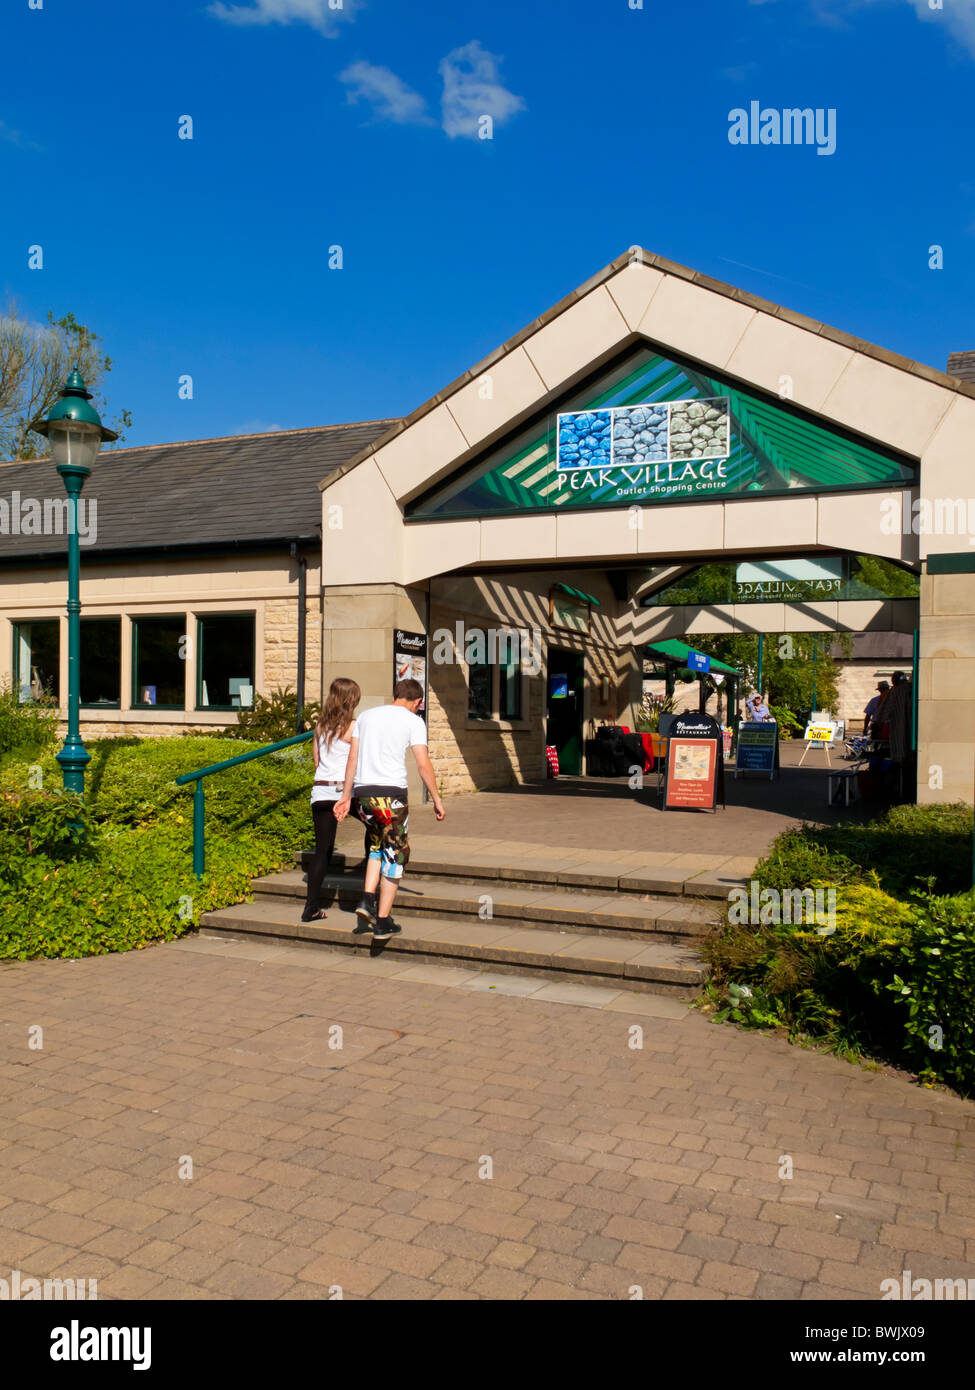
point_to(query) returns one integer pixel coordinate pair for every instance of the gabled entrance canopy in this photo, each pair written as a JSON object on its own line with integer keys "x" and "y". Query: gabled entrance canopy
{"x": 652, "y": 430}
{"x": 826, "y": 435}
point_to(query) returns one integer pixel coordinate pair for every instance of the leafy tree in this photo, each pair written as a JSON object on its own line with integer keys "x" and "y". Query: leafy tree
{"x": 798, "y": 672}
{"x": 35, "y": 360}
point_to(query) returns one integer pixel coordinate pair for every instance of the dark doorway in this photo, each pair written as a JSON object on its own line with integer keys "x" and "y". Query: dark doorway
{"x": 565, "y": 685}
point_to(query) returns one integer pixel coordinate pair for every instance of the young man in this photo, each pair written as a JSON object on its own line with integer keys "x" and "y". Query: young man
{"x": 379, "y": 780}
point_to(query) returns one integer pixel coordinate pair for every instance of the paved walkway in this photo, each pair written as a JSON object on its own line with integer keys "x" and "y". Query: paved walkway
{"x": 605, "y": 815}
{"x": 464, "y": 1142}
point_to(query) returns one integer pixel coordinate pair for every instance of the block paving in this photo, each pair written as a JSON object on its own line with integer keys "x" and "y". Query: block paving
{"x": 468, "y": 1143}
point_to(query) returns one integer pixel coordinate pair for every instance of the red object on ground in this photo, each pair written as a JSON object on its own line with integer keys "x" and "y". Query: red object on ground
{"x": 552, "y": 758}
{"x": 647, "y": 752}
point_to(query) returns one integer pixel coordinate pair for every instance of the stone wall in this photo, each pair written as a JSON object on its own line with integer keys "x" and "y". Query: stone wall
{"x": 471, "y": 756}
{"x": 281, "y": 645}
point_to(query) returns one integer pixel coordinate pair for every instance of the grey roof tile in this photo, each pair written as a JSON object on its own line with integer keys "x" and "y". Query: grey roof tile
{"x": 244, "y": 488}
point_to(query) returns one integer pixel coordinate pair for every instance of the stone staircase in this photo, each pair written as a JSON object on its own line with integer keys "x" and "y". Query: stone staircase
{"x": 587, "y": 924}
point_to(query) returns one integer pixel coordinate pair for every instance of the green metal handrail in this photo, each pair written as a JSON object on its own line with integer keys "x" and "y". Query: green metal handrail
{"x": 199, "y": 807}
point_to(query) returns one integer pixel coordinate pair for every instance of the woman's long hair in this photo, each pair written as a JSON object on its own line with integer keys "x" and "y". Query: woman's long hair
{"x": 339, "y": 709}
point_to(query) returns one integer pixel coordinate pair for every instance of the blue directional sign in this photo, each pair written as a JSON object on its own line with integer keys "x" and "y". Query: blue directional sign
{"x": 697, "y": 661}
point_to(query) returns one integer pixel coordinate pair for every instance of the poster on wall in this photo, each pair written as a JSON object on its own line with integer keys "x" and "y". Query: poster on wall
{"x": 410, "y": 661}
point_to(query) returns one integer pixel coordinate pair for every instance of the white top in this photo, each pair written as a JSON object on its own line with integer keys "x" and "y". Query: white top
{"x": 385, "y": 733}
{"x": 332, "y": 763}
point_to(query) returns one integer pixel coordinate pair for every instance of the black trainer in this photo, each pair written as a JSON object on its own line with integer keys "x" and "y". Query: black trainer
{"x": 385, "y": 928}
{"x": 366, "y": 912}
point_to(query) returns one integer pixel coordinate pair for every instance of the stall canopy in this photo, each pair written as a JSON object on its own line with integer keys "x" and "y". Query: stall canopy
{"x": 678, "y": 653}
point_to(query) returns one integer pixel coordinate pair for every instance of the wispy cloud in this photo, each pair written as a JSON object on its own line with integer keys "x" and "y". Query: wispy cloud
{"x": 471, "y": 89}
{"x": 15, "y": 137}
{"x": 957, "y": 16}
{"x": 391, "y": 98}
{"x": 317, "y": 14}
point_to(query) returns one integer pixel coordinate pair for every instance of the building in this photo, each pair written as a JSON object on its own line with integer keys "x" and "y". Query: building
{"x": 503, "y": 539}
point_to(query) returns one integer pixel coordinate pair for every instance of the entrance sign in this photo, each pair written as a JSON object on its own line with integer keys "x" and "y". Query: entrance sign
{"x": 653, "y": 429}
{"x": 410, "y": 661}
{"x": 789, "y": 581}
{"x": 758, "y": 748}
{"x": 697, "y": 661}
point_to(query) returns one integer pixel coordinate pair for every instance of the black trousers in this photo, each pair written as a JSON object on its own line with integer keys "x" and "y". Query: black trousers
{"x": 323, "y": 815}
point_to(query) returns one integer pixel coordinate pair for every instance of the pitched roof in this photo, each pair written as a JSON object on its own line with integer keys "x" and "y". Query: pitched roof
{"x": 638, "y": 254}
{"x": 243, "y": 488}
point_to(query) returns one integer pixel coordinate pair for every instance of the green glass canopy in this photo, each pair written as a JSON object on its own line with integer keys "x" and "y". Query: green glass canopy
{"x": 652, "y": 429}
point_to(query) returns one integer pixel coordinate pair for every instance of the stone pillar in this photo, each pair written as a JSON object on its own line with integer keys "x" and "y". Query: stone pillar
{"x": 358, "y": 622}
{"x": 946, "y": 680}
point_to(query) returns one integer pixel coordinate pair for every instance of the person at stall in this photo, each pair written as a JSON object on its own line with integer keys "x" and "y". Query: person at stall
{"x": 872, "y": 705}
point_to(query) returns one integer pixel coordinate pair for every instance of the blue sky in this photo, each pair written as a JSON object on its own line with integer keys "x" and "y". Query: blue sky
{"x": 315, "y": 126}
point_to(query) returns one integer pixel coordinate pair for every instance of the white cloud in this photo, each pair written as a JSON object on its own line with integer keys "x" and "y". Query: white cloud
{"x": 472, "y": 89}
{"x": 323, "y": 15}
{"x": 957, "y": 16}
{"x": 15, "y": 137}
{"x": 392, "y": 99}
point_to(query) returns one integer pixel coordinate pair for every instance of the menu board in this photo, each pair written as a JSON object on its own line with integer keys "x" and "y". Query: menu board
{"x": 758, "y": 748}
{"x": 410, "y": 661}
{"x": 692, "y": 772}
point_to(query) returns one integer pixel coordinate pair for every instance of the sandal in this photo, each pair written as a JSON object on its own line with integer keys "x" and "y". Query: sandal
{"x": 318, "y": 916}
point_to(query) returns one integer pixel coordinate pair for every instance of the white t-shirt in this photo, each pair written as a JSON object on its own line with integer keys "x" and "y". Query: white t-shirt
{"x": 385, "y": 733}
{"x": 332, "y": 763}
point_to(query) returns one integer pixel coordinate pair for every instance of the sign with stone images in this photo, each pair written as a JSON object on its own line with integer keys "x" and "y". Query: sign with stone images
{"x": 680, "y": 443}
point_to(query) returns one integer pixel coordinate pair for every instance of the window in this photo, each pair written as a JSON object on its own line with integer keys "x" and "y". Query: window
{"x": 225, "y": 667}
{"x": 37, "y": 660}
{"x": 494, "y": 686}
{"x": 101, "y": 661}
{"x": 158, "y": 664}
{"x": 509, "y": 689}
{"x": 480, "y": 690}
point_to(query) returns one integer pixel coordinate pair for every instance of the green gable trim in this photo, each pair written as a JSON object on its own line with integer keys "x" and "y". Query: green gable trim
{"x": 961, "y": 562}
{"x": 774, "y": 448}
{"x": 676, "y": 651}
{"x": 577, "y": 593}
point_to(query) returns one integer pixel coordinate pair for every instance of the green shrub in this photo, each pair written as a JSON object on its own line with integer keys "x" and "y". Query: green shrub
{"x": 798, "y": 859}
{"x": 28, "y": 726}
{"x": 116, "y": 872}
{"x": 271, "y": 718}
{"x": 891, "y": 974}
{"x": 935, "y": 981}
{"x": 926, "y": 847}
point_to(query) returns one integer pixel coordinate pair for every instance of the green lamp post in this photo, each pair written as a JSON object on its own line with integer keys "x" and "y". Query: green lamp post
{"x": 76, "y": 434}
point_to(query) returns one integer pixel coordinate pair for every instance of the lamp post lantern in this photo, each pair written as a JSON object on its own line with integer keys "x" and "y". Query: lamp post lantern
{"x": 76, "y": 434}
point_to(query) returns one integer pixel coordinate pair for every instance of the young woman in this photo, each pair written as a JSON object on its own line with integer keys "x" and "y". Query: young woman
{"x": 335, "y": 742}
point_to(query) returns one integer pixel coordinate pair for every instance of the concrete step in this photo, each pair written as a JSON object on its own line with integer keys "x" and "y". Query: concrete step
{"x": 689, "y": 875}
{"x": 622, "y": 962}
{"x": 660, "y": 918}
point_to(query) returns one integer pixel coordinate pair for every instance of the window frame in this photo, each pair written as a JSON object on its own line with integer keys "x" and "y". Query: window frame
{"x": 135, "y": 619}
{"x": 15, "y": 626}
{"x": 201, "y": 618}
{"x": 497, "y": 720}
{"x": 112, "y": 704}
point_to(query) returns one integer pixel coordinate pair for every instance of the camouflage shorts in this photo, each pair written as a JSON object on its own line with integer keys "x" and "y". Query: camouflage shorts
{"x": 386, "y": 819}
